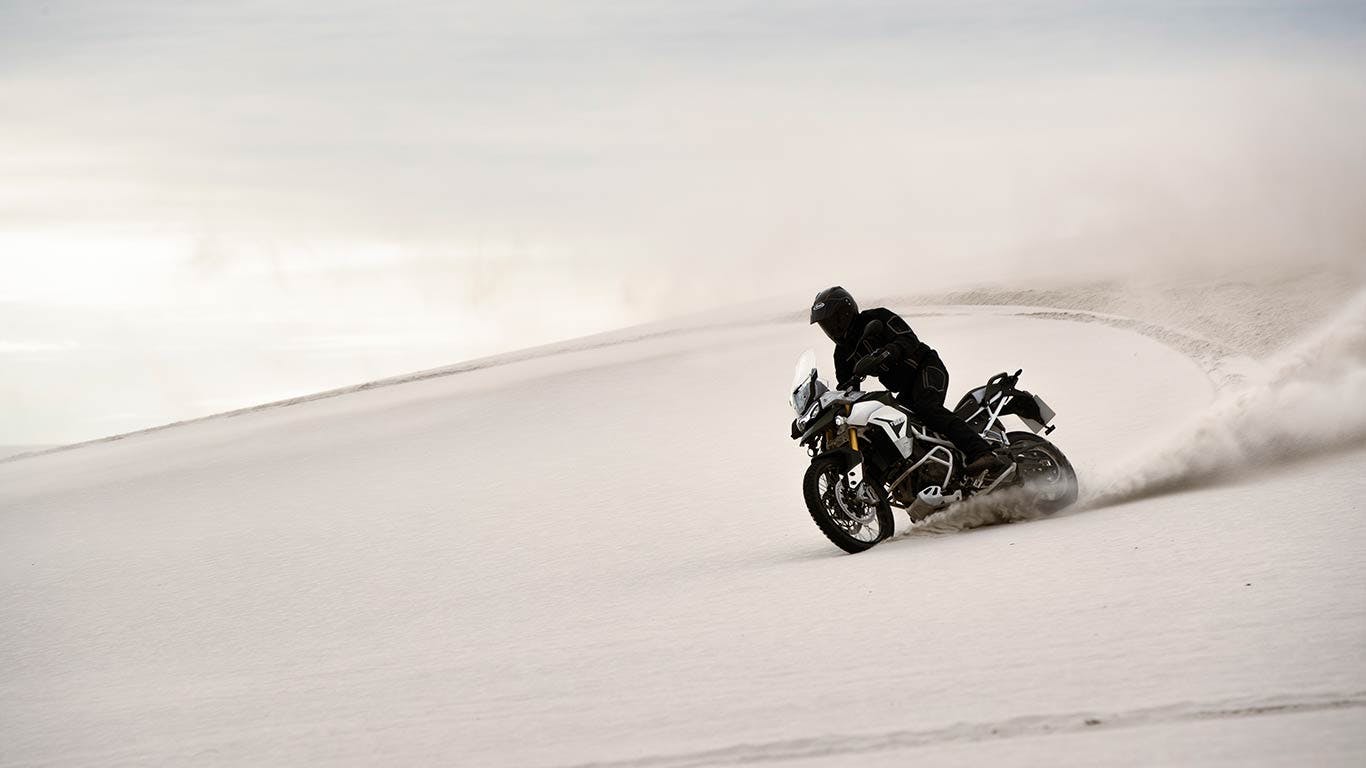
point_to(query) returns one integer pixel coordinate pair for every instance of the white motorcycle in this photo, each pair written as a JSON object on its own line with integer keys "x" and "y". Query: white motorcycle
{"x": 852, "y": 435}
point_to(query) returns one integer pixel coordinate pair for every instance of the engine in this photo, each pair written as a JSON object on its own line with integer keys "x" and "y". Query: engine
{"x": 933, "y": 471}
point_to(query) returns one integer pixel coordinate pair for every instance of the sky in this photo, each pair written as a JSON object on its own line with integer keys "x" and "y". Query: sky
{"x": 208, "y": 205}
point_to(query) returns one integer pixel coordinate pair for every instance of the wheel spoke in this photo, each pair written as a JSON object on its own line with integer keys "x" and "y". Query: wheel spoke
{"x": 847, "y": 514}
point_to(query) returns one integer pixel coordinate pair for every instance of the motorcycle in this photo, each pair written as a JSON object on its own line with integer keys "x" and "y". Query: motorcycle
{"x": 870, "y": 454}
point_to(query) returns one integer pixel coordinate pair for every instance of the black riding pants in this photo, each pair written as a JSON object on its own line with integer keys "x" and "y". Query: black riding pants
{"x": 926, "y": 399}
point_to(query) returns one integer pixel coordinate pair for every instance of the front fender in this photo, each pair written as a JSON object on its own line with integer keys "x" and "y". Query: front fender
{"x": 851, "y": 457}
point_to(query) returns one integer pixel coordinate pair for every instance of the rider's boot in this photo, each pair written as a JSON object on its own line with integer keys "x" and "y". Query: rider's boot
{"x": 987, "y": 461}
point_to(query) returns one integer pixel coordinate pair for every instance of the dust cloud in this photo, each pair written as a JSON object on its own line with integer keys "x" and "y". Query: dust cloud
{"x": 1311, "y": 402}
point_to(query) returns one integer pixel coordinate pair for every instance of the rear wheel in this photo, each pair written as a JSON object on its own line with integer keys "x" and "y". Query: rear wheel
{"x": 849, "y": 520}
{"x": 1044, "y": 470}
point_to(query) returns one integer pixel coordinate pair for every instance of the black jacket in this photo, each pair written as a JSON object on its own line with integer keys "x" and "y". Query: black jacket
{"x": 898, "y": 373}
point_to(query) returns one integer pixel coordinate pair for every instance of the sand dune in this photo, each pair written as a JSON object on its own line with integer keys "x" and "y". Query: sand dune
{"x": 596, "y": 554}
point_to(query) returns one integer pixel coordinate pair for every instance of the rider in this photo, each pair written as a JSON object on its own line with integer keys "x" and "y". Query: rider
{"x": 905, "y": 365}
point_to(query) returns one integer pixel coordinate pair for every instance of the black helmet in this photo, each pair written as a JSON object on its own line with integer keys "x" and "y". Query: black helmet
{"x": 834, "y": 310}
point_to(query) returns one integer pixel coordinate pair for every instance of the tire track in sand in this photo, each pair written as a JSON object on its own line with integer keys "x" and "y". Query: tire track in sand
{"x": 846, "y": 746}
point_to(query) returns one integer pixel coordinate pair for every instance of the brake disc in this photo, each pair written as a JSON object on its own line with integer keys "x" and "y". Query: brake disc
{"x": 853, "y": 503}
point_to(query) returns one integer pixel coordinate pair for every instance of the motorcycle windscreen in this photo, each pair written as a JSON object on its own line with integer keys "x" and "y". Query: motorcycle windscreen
{"x": 799, "y": 394}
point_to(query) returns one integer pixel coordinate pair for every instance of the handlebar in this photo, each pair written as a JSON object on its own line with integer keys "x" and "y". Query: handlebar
{"x": 850, "y": 384}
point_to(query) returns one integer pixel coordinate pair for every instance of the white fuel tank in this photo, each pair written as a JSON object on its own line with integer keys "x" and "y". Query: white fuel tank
{"x": 861, "y": 412}
{"x": 890, "y": 420}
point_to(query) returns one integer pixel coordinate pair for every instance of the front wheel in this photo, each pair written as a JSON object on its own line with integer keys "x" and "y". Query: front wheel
{"x": 1044, "y": 470}
{"x": 850, "y": 522}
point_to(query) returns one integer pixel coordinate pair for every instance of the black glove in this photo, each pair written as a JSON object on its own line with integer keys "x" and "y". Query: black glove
{"x": 873, "y": 362}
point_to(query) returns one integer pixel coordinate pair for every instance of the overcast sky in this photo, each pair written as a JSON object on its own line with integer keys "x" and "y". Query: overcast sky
{"x": 205, "y": 205}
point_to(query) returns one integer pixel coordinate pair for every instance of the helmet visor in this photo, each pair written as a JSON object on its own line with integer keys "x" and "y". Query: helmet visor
{"x": 835, "y": 325}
